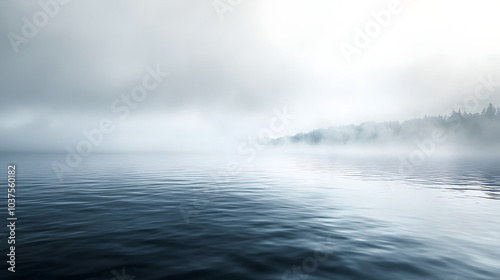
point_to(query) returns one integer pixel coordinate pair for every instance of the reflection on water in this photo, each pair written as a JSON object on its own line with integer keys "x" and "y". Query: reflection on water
{"x": 283, "y": 217}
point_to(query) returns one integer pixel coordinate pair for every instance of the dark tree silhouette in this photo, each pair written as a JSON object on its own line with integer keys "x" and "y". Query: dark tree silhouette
{"x": 491, "y": 111}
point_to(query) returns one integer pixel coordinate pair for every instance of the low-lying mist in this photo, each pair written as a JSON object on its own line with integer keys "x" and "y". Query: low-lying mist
{"x": 458, "y": 133}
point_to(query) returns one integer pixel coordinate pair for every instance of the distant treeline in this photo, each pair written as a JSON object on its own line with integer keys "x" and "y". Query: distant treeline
{"x": 459, "y": 127}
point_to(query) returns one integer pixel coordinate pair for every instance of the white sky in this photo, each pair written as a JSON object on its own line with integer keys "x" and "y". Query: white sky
{"x": 228, "y": 76}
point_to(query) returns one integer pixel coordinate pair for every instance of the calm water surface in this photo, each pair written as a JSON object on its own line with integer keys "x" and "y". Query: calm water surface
{"x": 281, "y": 217}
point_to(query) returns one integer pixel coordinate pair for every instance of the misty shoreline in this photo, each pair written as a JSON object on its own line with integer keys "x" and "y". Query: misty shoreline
{"x": 458, "y": 132}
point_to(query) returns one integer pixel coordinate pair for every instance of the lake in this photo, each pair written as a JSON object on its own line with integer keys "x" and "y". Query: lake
{"x": 282, "y": 216}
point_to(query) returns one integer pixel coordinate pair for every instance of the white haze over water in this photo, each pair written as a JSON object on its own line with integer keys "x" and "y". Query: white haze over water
{"x": 226, "y": 77}
{"x": 170, "y": 139}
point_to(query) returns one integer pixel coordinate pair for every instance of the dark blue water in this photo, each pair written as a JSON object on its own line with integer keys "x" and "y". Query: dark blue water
{"x": 281, "y": 217}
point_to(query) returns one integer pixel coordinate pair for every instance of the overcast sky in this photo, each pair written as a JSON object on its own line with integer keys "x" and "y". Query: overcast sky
{"x": 227, "y": 76}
